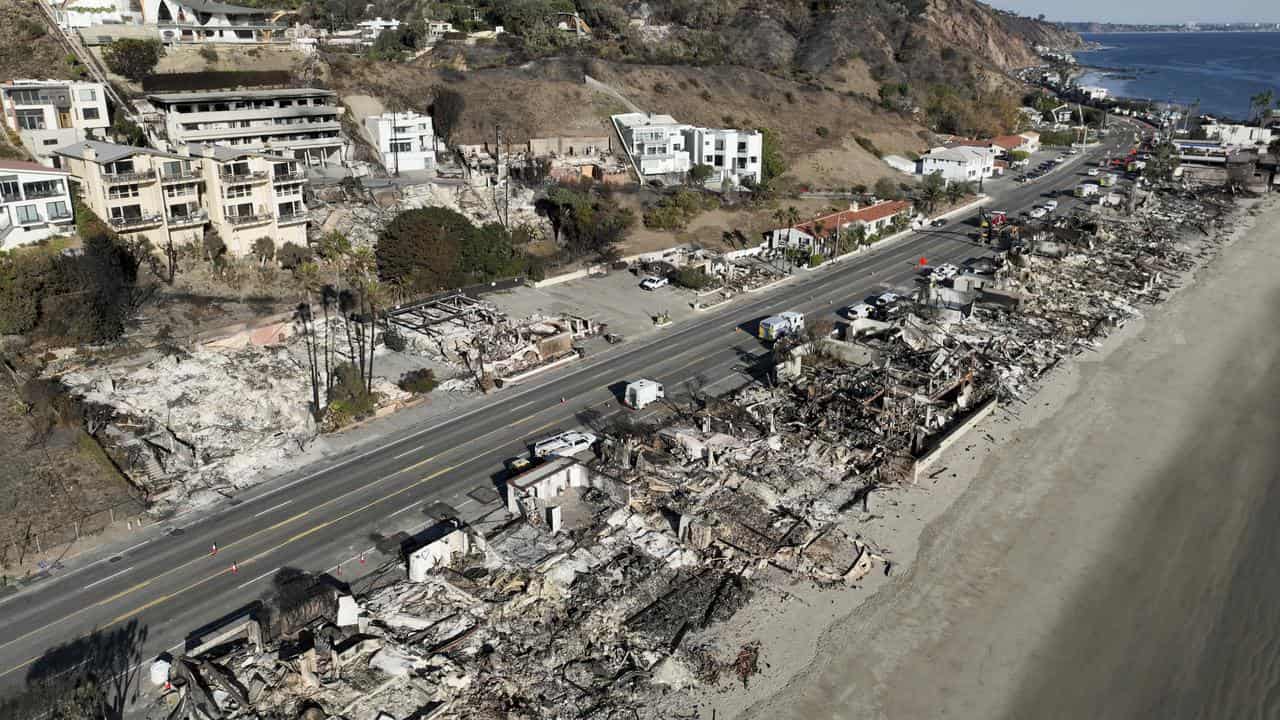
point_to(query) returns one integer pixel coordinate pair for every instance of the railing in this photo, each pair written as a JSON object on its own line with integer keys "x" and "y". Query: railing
{"x": 179, "y": 176}
{"x": 255, "y": 176}
{"x": 248, "y": 219}
{"x": 289, "y": 177}
{"x": 128, "y": 177}
{"x": 10, "y": 197}
{"x": 195, "y": 218}
{"x": 38, "y": 194}
{"x": 132, "y": 223}
{"x": 60, "y": 216}
{"x": 291, "y": 218}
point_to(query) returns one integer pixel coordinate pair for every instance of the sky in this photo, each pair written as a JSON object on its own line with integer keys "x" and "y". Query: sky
{"x": 1148, "y": 11}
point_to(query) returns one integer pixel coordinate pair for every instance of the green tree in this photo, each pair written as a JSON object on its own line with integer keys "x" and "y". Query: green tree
{"x": 1260, "y": 105}
{"x": 699, "y": 174}
{"x": 213, "y": 246}
{"x": 932, "y": 188}
{"x": 419, "y": 248}
{"x": 133, "y": 58}
{"x": 771, "y": 163}
{"x": 586, "y": 219}
{"x": 1274, "y": 147}
{"x": 127, "y": 131}
{"x": 886, "y": 189}
{"x": 265, "y": 250}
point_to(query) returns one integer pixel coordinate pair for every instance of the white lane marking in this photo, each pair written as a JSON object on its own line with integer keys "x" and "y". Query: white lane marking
{"x": 401, "y": 511}
{"x": 407, "y": 452}
{"x": 134, "y": 547}
{"x": 263, "y": 575}
{"x": 99, "y": 582}
{"x": 468, "y": 502}
{"x": 273, "y": 507}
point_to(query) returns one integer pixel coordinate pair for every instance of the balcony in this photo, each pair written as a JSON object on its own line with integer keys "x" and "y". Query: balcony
{"x": 44, "y": 193}
{"x": 243, "y": 220}
{"x": 243, "y": 178}
{"x": 198, "y": 217}
{"x": 182, "y": 176}
{"x": 296, "y": 176}
{"x": 128, "y": 177}
{"x": 292, "y": 218}
{"x": 135, "y": 223}
{"x": 60, "y": 217}
{"x": 10, "y": 197}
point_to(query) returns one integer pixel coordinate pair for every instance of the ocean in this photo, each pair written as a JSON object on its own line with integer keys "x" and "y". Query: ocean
{"x": 1221, "y": 70}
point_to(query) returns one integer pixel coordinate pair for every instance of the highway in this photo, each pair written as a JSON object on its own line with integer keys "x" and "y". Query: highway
{"x": 167, "y": 581}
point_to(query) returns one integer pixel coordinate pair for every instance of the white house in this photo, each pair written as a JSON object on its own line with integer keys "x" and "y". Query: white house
{"x": 35, "y": 203}
{"x": 959, "y": 164}
{"x": 1242, "y": 135}
{"x": 1031, "y": 142}
{"x": 1063, "y": 114}
{"x": 655, "y": 144}
{"x": 405, "y": 141}
{"x": 79, "y": 14}
{"x": 732, "y": 155}
{"x": 48, "y": 114}
{"x": 371, "y": 29}
{"x": 200, "y": 21}
{"x": 1093, "y": 92}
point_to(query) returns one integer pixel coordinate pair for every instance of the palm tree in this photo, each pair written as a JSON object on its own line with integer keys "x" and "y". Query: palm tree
{"x": 1261, "y": 103}
{"x": 309, "y": 275}
{"x": 819, "y": 239}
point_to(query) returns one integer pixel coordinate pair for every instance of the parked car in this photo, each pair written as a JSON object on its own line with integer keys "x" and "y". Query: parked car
{"x": 653, "y": 282}
{"x": 860, "y": 310}
{"x": 1037, "y": 213}
{"x": 946, "y": 272}
{"x": 1093, "y": 172}
{"x": 886, "y": 298}
{"x": 939, "y": 222}
{"x": 890, "y": 312}
{"x": 517, "y": 465}
{"x": 1050, "y": 206}
{"x": 564, "y": 444}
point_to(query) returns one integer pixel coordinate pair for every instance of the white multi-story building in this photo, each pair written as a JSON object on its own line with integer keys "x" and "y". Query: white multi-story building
{"x": 655, "y": 144}
{"x": 35, "y": 203}
{"x": 201, "y": 21}
{"x": 405, "y": 141}
{"x": 48, "y": 114}
{"x": 302, "y": 123}
{"x": 175, "y": 197}
{"x": 959, "y": 164}
{"x": 733, "y": 155}
{"x": 371, "y": 29}
{"x": 1241, "y": 135}
{"x": 1093, "y": 92}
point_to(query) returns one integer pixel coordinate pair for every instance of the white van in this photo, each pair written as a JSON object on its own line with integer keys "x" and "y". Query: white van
{"x": 639, "y": 394}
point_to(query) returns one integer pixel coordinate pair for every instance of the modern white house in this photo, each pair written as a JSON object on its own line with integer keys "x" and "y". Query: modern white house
{"x": 80, "y": 14}
{"x": 655, "y": 144}
{"x": 201, "y": 21}
{"x": 733, "y": 155}
{"x": 959, "y": 164}
{"x": 405, "y": 141}
{"x": 1093, "y": 92}
{"x": 35, "y": 203}
{"x": 371, "y": 29}
{"x": 48, "y": 114}
{"x": 301, "y": 123}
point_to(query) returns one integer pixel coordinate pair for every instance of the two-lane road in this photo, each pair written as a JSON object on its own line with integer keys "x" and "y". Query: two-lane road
{"x": 169, "y": 581}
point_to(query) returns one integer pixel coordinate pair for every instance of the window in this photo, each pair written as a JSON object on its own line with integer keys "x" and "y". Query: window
{"x": 51, "y": 141}
{"x": 88, "y": 95}
{"x": 239, "y": 191}
{"x": 27, "y": 214}
{"x": 9, "y": 189}
{"x": 126, "y": 212}
{"x": 25, "y": 97}
{"x": 30, "y": 119}
{"x": 403, "y": 147}
{"x": 90, "y": 113}
{"x": 58, "y": 210}
{"x": 753, "y": 159}
{"x": 117, "y": 192}
{"x": 179, "y": 190}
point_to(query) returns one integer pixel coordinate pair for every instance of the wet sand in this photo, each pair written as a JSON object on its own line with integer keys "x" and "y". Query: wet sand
{"x": 1112, "y": 555}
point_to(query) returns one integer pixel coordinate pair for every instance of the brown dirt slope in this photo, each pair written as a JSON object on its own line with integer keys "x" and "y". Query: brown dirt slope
{"x": 27, "y": 47}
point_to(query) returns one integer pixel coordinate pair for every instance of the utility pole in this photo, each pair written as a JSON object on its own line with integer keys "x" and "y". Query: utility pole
{"x": 501, "y": 187}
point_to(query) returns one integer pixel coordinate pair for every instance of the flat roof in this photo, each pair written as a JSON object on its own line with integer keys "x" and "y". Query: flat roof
{"x": 27, "y": 166}
{"x": 206, "y": 96}
{"x": 533, "y": 476}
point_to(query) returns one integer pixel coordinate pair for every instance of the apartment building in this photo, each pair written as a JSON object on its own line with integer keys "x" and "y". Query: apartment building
{"x": 405, "y": 141}
{"x": 175, "y": 197}
{"x": 301, "y": 123}
{"x": 959, "y": 164}
{"x": 733, "y": 155}
{"x": 35, "y": 203}
{"x": 48, "y": 114}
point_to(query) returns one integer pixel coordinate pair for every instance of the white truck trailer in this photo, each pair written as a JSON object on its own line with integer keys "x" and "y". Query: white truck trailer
{"x": 639, "y": 394}
{"x": 776, "y": 327}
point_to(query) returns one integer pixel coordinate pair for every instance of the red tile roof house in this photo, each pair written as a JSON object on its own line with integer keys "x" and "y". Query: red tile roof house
{"x": 875, "y": 218}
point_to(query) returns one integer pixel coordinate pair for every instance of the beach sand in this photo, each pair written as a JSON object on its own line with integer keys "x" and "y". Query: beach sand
{"x": 1108, "y": 552}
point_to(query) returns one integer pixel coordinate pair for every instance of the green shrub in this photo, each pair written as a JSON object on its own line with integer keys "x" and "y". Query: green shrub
{"x": 418, "y": 382}
{"x": 293, "y": 255}
{"x": 394, "y": 340}
{"x": 209, "y": 54}
{"x": 823, "y": 131}
{"x": 869, "y": 146}
{"x": 816, "y": 259}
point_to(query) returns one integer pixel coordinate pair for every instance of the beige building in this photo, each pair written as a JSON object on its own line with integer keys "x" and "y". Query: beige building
{"x": 179, "y": 196}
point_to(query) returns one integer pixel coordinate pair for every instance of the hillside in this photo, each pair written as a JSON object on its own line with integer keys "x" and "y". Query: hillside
{"x": 27, "y": 49}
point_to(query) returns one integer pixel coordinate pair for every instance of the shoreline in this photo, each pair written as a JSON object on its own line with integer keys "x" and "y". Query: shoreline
{"x": 845, "y": 653}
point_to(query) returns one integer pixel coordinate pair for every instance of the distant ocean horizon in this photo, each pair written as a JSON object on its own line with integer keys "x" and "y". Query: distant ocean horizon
{"x": 1221, "y": 70}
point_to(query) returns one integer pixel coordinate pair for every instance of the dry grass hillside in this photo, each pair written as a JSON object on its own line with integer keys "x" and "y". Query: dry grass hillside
{"x": 818, "y": 128}
{"x": 27, "y": 49}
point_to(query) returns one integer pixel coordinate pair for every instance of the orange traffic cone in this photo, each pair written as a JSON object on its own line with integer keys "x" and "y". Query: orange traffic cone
{"x": 213, "y": 550}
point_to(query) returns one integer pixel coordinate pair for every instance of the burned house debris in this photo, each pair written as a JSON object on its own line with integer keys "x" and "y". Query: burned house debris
{"x": 608, "y": 582}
